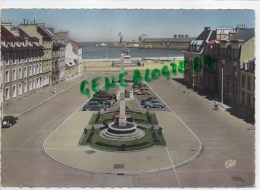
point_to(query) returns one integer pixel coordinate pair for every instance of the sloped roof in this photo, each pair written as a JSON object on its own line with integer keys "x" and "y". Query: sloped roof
{"x": 245, "y": 34}
{"x": 205, "y": 36}
{"x": 5, "y": 32}
{"x": 75, "y": 43}
{"x": 43, "y": 32}
{"x": 22, "y": 33}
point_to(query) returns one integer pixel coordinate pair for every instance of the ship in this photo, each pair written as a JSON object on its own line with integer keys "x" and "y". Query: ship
{"x": 128, "y": 45}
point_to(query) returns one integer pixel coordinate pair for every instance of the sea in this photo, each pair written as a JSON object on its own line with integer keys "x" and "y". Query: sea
{"x": 90, "y": 51}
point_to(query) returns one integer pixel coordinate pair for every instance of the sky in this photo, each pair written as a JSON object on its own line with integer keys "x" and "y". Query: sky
{"x": 106, "y": 24}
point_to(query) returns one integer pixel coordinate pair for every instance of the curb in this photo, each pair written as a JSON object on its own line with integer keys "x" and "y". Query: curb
{"x": 23, "y": 113}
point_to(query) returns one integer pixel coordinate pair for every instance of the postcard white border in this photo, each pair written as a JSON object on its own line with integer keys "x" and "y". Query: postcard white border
{"x": 155, "y": 4}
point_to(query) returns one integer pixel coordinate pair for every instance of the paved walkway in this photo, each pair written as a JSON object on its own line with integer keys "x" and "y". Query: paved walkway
{"x": 34, "y": 100}
{"x": 62, "y": 146}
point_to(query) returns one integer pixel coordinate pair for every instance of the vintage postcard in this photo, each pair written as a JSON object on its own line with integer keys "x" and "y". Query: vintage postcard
{"x": 139, "y": 97}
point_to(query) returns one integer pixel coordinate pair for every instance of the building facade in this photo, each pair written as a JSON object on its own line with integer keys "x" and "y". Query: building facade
{"x": 73, "y": 55}
{"x": 21, "y": 57}
{"x": 235, "y": 52}
{"x": 44, "y": 35}
{"x": 194, "y": 58}
{"x": 72, "y": 60}
{"x": 227, "y": 66}
{"x": 58, "y": 62}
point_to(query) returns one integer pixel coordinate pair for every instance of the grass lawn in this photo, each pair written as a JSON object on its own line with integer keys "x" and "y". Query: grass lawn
{"x": 138, "y": 117}
{"x": 93, "y": 139}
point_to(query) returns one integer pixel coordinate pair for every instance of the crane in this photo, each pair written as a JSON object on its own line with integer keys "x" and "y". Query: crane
{"x": 120, "y": 37}
{"x": 141, "y": 38}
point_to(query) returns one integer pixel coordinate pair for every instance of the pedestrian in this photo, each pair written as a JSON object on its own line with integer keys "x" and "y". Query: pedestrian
{"x": 216, "y": 105}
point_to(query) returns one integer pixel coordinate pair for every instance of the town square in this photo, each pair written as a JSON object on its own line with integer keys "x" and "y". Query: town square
{"x": 111, "y": 107}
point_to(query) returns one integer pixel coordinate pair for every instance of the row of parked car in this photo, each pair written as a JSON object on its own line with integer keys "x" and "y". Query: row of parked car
{"x": 150, "y": 102}
{"x": 100, "y": 101}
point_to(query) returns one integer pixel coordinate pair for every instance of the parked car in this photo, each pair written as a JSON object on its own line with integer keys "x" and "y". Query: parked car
{"x": 108, "y": 103}
{"x": 154, "y": 104}
{"x": 94, "y": 106}
{"x": 105, "y": 95}
{"x": 140, "y": 86}
{"x": 8, "y": 121}
{"x": 141, "y": 92}
{"x": 148, "y": 99}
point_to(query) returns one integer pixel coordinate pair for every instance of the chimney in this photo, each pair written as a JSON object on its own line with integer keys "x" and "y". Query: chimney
{"x": 24, "y": 21}
{"x": 34, "y": 21}
{"x": 27, "y": 21}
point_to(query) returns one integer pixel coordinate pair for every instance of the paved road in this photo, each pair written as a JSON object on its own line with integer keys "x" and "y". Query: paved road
{"x": 223, "y": 136}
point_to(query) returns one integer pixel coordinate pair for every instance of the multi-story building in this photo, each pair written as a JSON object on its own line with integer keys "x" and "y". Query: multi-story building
{"x": 21, "y": 57}
{"x": 44, "y": 35}
{"x": 211, "y": 54}
{"x": 73, "y": 55}
{"x": 58, "y": 61}
{"x": 194, "y": 58}
{"x": 179, "y": 41}
{"x": 235, "y": 52}
{"x": 226, "y": 68}
{"x": 203, "y": 57}
{"x": 247, "y": 87}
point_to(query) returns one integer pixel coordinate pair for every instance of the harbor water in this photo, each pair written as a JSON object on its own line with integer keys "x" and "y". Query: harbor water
{"x": 90, "y": 51}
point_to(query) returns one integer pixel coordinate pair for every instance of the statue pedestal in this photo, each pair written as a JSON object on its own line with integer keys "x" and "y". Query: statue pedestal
{"x": 130, "y": 132}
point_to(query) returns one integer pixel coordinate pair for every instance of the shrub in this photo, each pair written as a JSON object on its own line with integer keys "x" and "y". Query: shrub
{"x": 98, "y": 117}
{"x": 149, "y": 118}
{"x": 90, "y": 136}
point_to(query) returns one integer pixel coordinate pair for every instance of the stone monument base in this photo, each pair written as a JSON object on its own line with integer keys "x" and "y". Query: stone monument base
{"x": 130, "y": 132}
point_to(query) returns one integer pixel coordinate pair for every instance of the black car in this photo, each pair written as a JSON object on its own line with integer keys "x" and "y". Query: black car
{"x": 148, "y": 99}
{"x": 105, "y": 96}
{"x": 94, "y": 106}
{"x": 8, "y": 121}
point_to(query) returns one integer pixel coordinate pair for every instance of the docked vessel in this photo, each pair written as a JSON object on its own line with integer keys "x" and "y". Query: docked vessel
{"x": 128, "y": 45}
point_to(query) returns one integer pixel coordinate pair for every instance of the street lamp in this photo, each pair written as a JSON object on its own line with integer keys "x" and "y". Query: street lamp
{"x": 222, "y": 79}
{"x": 193, "y": 75}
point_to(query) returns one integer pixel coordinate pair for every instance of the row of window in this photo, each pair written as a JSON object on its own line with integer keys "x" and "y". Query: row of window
{"x": 247, "y": 82}
{"x": 246, "y": 99}
{"x": 230, "y": 53}
{"x": 18, "y": 73}
{"x": 13, "y": 58}
{"x": 26, "y": 86}
{"x": 215, "y": 50}
{"x": 60, "y": 53}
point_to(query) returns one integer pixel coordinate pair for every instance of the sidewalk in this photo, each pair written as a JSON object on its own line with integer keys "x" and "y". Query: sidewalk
{"x": 20, "y": 107}
{"x": 233, "y": 109}
{"x": 202, "y": 93}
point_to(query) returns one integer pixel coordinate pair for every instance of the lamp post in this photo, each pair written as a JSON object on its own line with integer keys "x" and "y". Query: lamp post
{"x": 222, "y": 80}
{"x": 193, "y": 75}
